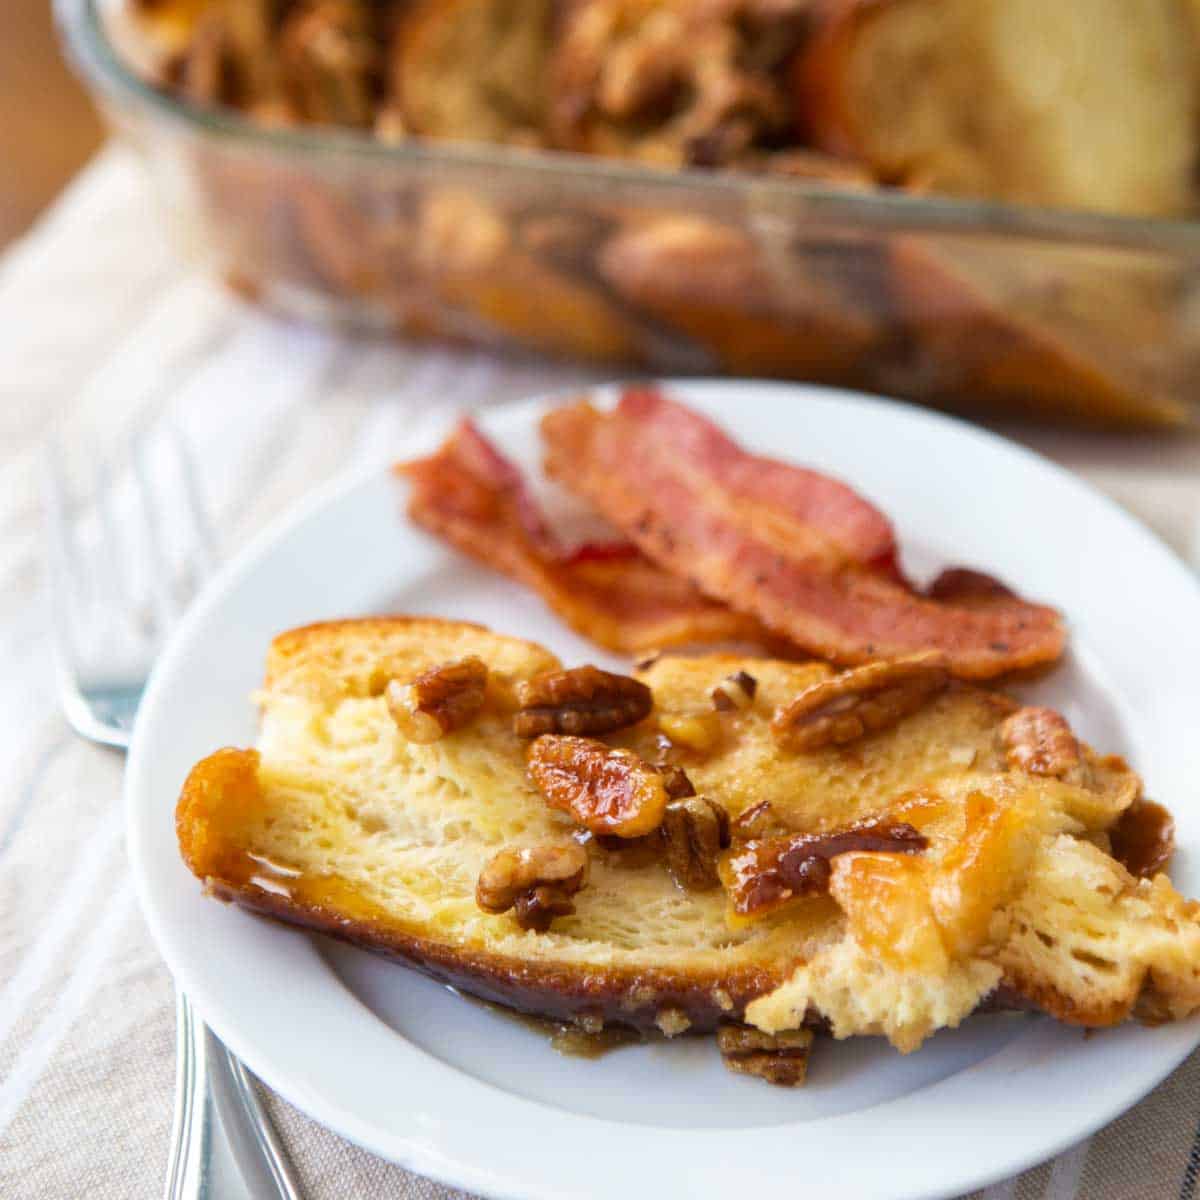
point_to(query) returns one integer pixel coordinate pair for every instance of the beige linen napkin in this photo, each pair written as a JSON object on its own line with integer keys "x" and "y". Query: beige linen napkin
{"x": 105, "y": 330}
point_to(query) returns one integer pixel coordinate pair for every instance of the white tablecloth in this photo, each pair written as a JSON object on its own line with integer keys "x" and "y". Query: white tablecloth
{"x": 104, "y": 330}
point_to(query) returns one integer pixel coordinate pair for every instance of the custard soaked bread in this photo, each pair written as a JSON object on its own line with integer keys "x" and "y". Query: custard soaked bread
{"x": 1082, "y": 103}
{"x": 719, "y": 839}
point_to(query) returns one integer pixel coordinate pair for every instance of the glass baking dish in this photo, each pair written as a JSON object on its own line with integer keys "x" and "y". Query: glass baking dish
{"x": 978, "y": 306}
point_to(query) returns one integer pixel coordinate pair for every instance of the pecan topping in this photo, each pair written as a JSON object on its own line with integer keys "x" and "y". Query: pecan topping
{"x": 537, "y": 882}
{"x": 330, "y": 60}
{"x": 607, "y": 791}
{"x": 780, "y": 1058}
{"x": 737, "y": 691}
{"x": 438, "y": 701}
{"x": 758, "y": 822}
{"x": 858, "y": 702}
{"x": 676, "y": 782}
{"x": 1143, "y": 840}
{"x": 768, "y": 872}
{"x": 695, "y": 830}
{"x": 582, "y": 700}
{"x": 629, "y": 854}
{"x": 1039, "y": 741}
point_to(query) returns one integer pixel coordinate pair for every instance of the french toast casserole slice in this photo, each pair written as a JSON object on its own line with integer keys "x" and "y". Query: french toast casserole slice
{"x": 717, "y": 840}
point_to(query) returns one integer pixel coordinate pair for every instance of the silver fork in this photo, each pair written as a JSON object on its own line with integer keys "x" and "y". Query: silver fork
{"x": 107, "y": 632}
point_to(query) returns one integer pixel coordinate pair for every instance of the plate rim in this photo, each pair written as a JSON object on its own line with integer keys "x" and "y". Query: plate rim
{"x": 472, "y": 1176}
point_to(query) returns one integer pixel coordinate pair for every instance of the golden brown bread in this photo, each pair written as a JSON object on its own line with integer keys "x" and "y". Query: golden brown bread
{"x": 475, "y": 259}
{"x": 756, "y": 313}
{"x": 332, "y": 781}
{"x": 1082, "y": 103}
{"x": 338, "y": 823}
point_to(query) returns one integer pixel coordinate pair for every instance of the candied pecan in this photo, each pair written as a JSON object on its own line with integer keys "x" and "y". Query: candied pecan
{"x": 676, "y": 782}
{"x": 760, "y": 821}
{"x": 780, "y": 1058}
{"x": 628, "y": 854}
{"x": 578, "y": 701}
{"x": 1143, "y": 840}
{"x": 1039, "y": 741}
{"x": 767, "y": 872}
{"x": 695, "y": 830}
{"x": 438, "y": 701}
{"x": 331, "y": 62}
{"x": 537, "y": 882}
{"x": 607, "y": 791}
{"x": 737, "y": 691}
{"x": 858, "y": 702}
{"x": 658, "y": 81}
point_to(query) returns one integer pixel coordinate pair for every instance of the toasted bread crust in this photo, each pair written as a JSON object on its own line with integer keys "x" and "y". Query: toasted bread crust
{"x": 886, "y": 82}
{"x": 634, "y": 998}
{"x": 630, "y": 998}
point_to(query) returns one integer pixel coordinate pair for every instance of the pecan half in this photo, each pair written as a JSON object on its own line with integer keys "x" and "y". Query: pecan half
{"x": 676, "y": 782}
{"x": 858, "y": 702}
{"x": 736, "y": 691}
{"x": 579, "y": 701}
{"x": 760, "y": 821}
{"x": 1039, "y": 741}
{"x": 607, "y": 791}
{"x": 330, "y": 62}
{"x": 1143, "y": 840}
{"x": 537, "y": 882}
{"x": 766, "y": 873}
{"x": 438, "y": 701}
{"x": 695, "y": 830}
{"x": 780, "y": 1058}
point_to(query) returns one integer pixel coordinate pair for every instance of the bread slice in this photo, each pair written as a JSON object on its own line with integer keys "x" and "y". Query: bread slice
{"x": 472, "y": 70}
{"x": 1081, "y": 335}
{"x": 756, "y": 312}
{"x": 473, "y": 257}
{"x": 1082, "y": 103}
{"x": 337, "y": 823}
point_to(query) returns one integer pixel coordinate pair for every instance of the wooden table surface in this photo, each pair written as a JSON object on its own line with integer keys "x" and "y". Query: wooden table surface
{"x": 48, "y": 127}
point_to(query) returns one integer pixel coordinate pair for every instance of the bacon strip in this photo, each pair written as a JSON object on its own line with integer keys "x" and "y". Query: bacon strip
{"x": 777, "y": 561}
{"x": 809, "y": 497}
{"x": 472, "y": 496}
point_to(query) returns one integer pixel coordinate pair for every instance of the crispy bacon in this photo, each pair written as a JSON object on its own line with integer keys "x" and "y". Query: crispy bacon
{"x": 469, "y": 494}
{"x": 780, "y": 562}
{"x": 846, "y": 518}
{"x": 479, "y": 458}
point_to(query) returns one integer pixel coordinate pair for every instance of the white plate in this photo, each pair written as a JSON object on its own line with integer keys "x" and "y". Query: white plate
{"x": 471, "y": 1097}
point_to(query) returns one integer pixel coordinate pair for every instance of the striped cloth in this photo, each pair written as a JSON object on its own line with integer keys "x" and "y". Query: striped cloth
{"x": 105, "y": 331}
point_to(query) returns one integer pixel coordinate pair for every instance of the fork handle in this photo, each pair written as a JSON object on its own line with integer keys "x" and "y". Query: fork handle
{"x": 189, "y": 1167}
{"x": 256, "y": 1146}
{"x": 207, "y": 1076}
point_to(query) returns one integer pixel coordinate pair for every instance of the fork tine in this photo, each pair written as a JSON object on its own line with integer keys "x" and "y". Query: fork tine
{"x": 63, "y": 557}
{"x": 160, "y": 564}
{"x": 205, "y": 551}
{"x": 113, "y": 558}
